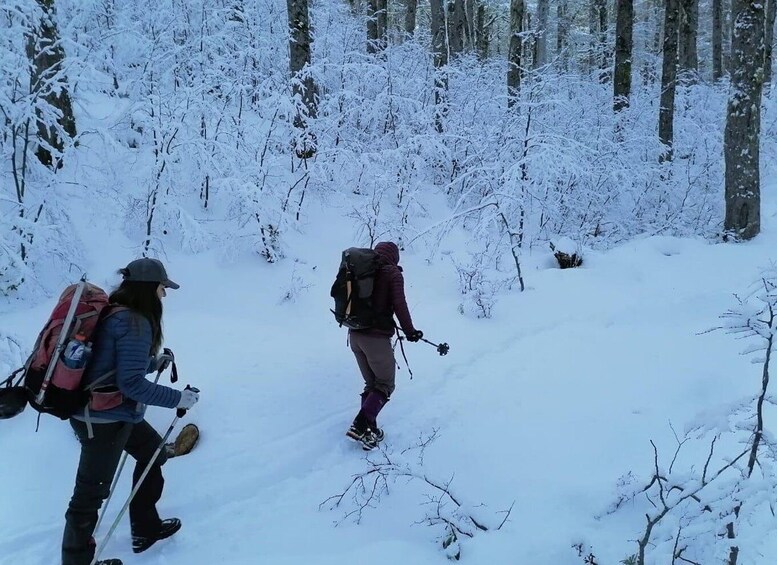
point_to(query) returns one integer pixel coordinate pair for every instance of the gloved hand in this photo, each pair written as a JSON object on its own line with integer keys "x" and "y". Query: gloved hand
{"x": 164, "y": 359}
{"x": 188, "y": 398}
{"x": 415, "y": 336}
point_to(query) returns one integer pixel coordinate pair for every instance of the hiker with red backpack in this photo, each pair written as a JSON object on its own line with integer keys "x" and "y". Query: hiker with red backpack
{"x": 368, "y": 292}
{"x": 125, "y": 347}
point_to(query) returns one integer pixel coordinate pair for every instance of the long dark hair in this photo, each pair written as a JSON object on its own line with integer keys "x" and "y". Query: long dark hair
{"x": 142, "y": 297}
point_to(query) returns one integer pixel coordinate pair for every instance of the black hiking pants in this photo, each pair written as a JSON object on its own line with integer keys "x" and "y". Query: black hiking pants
{"x": 99, "y": 459}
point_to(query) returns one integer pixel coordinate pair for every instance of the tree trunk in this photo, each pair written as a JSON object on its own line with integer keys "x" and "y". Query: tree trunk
{"x": 529, "y": 54}
{"x": 411, "y": 11}
{"x": 743, "y": 124}
{"x": 470, "y": 7}
{"x": 604, "y": 60}
{"x": 562, "y": 34}
{"x": 717, "y": 39}
{"x": 592, "y": 35}
{"x": 299, "y": 58}
{"x": 623, "y": 47}
{"x": 455, "y": 27}
{"x": 440, "y": 48}
{"x": 373, "y": 27}
{"x": 462, "y": 28}
{"x": 543, "y": 13}
{"x": 771, "y": 12}
{"x": 382, "y": 24}
{"x": 726, "y": 36}
{"x": 514, "y": 55}
{"x": 482, "y": 33}
{"x": 669, "y": 77}
{"x": 47, "y": 56}
{"x": 689, "y": 29}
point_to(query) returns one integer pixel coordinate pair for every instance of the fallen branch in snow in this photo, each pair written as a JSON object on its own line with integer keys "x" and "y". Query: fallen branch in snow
{"x": 444, "y": 507}
{"x": 709, "y": 510}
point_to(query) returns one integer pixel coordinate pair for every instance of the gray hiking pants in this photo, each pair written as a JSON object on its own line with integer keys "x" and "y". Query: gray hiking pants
{"x": 375, "y": 357}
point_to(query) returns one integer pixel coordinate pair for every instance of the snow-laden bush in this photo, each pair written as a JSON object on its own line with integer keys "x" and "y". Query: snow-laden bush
{"x": 191, "y": 132}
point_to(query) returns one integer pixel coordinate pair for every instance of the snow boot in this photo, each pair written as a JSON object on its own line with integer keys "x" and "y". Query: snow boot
{"x": 109, "y": 562}
{"x": 167, "y": 529}
{"x": 358, "y": 428}
{"x": 370, "y": 439}
{"x": 185, "y": 442}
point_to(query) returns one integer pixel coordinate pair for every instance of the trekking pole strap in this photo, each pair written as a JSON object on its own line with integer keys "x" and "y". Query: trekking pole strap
{"x": 400, "y": 339}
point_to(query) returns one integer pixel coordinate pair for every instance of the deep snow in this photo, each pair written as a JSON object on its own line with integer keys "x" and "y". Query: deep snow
{"x": 545, "y": 405}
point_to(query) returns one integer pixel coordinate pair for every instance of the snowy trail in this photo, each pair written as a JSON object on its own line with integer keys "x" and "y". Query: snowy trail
{"x": 547, "y": 404}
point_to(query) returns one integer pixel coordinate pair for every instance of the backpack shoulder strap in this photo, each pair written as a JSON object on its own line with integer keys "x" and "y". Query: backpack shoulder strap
{"x": 112, "y": 309}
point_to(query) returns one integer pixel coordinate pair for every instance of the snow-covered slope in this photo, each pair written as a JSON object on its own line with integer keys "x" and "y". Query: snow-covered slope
{"x": 545, "y": 406}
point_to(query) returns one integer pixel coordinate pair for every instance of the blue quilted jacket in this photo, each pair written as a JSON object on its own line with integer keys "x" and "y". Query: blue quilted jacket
{"x": 123, "y": 344}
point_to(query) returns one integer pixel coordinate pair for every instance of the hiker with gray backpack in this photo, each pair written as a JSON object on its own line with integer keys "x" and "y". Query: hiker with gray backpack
{"x": 369, "y": 291}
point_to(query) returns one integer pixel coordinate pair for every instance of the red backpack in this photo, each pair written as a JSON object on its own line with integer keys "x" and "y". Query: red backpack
{"x": 51, "y": 385}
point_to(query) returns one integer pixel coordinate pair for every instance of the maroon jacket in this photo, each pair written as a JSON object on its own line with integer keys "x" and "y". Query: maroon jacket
{"x": 388, "y": 296}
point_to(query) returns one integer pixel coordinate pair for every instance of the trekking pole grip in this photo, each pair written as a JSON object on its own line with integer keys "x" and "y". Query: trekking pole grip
{"x": 181, "y": 412}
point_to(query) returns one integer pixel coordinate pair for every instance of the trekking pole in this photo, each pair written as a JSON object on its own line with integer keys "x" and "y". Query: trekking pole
{"x": 442, "y": 348}
{"x": 121, "y": 465}
{"x": 180, "y": 413}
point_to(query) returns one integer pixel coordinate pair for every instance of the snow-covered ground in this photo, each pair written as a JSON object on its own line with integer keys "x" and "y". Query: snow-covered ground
{"x": 545, "y": 405}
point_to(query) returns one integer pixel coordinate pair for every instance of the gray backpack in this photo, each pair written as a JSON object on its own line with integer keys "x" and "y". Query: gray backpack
{"x": 353, "y": 287}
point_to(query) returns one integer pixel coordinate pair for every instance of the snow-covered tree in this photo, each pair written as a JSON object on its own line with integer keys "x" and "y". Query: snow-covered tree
{"x": 743, "y": 122}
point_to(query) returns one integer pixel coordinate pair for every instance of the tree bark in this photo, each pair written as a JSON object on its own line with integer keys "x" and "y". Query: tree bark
{"x": 470, "y": 8}
{"x": 717, "y": 39}
{"x": 411, "y": 12}
{"x": 562, "y": 34}
{"x": 543, "y": 13}
{"x": 529, "y": 54}
{"x": 440, "y": 48}
{"x": 743, "y": 124}
{"x": 47, "y": 56}
{"x": 624, "y": 43}
{"x": 727, "y": 33}
{"x": 373, "y": 27}
{"x": 482, "y": 33}
{"x": 689, "y": 30}
{"x": 604, "y": 60}
{"x": 455, "y": 27}
{"x": 592, "y": 34}
{"x": 669, "y": 78}
{"x": 462, "y": 27}
{"x": 771, "y": 12}
{"x": 382, "y": 24}
{"x": 299, "y": 58}
{"x": 514, "y": 71}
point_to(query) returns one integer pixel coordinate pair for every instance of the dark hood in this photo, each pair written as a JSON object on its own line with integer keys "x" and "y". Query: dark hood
{"x": 389, "y": 251}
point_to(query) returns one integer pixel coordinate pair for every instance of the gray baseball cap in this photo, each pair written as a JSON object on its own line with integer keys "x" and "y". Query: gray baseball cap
{"x": 147, "y": 270}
